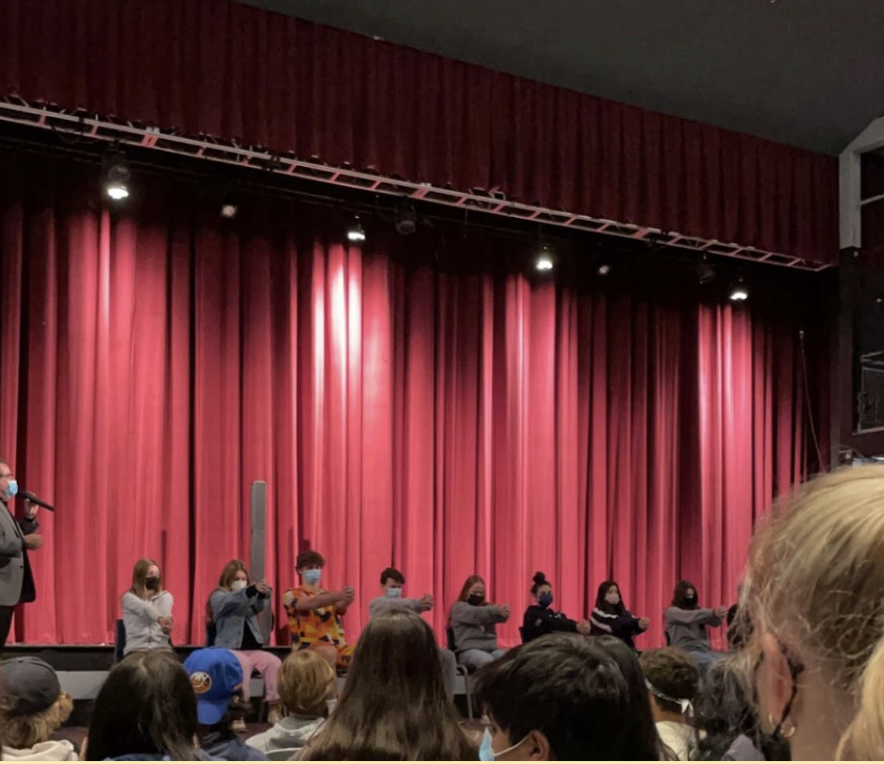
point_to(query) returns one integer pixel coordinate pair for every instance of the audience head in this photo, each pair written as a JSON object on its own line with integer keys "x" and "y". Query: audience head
{"x": 813, "y": 592}
{"x": 146, "y": 580}
{"x": 146, "y": 706}
{"x": 542, "y": 590}
{"x": 473, "y": 591}
{"x": 33, "y": 705}
{"x": 608, "y": 598}
{"x": 309, "y": 567}
{"x": 216, "y": 677}
{"x": 563, "y": 697}
{"x": 386, "y": 714}
{"x": 392, "y": 582}
{"x": 307, "y": 682}
{"x": 673, "y": 679}
{"x": 685, "y": 596}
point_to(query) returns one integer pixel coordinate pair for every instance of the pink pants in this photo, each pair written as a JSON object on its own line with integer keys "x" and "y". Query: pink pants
{"x": 267, "y": 666}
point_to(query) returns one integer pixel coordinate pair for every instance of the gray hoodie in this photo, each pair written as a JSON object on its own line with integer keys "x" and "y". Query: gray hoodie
{"x": 687, "y": 628}
{"x": 289, "y": 732}
{"x": 140, "y": 619}
{"x": 474, "y": 626}
{"x": 51, "y": 750}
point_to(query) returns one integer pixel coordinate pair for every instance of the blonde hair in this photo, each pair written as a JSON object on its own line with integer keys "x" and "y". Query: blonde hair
{"x": 25, "y": 731}
{"x": 816, "y": 580}
{"x": 306, "y": 681}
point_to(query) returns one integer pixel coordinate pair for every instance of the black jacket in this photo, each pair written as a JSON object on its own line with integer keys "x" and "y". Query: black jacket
{"x": 542, "y": 620}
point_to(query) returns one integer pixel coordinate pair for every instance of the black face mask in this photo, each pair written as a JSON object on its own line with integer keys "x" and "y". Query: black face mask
{"x": 690, "y": 602}
{"x": 476, "y": 599}
{"x": 152, "y": 582}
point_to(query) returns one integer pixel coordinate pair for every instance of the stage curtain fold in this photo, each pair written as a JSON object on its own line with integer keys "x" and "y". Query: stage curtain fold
{"x": 443, "y": 418}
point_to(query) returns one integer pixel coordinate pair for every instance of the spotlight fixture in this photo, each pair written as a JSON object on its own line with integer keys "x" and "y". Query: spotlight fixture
{"x": 229, "y": 210}
{"x": 739, "y": 291}
{"x": 544, "y": 261}
{"x": 705, "y": 273}
{"x": 405, "y": 220}
{"x": 115, "y": 176}
{"x": 604, "y": 269}
{"x": 356, "y": 233}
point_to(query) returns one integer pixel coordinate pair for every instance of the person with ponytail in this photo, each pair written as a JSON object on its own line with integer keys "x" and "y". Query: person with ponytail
{"x": 814, "y": 594}
{"x": 541, "y": 619}
{"x": 611, "y": 617}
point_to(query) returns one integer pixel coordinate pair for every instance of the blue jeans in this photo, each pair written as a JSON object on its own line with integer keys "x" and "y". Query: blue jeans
{"x": 475, "y": 658}
{"x": 706, "y": 658}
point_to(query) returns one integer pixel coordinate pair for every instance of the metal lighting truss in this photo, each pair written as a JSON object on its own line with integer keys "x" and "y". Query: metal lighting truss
{"x": 15, "y": 110}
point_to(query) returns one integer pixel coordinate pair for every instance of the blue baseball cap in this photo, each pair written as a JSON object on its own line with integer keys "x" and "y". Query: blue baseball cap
{"x": 216, "y": 677}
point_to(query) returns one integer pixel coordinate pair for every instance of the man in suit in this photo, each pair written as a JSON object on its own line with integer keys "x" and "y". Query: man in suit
{"x": 16, "y": 538}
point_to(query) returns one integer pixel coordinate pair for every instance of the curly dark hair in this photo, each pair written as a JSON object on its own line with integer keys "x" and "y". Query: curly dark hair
{"x": 673, "y": 672}
{"x": 309, "y": 558}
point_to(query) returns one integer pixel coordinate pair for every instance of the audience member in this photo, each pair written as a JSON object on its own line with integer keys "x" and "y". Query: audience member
{"x": 541, "y": 619}
{"x": 234, "y": 608}
{"x": 473, "y": 622}
{"x": 216, "y": 677}
{"x": 814, "y": 597}
{"x": 393, "y": 715}
{"x": 611, "y": 617}
{"x": 147, "y": 610}
{"x": 392, "y": 583}
{"x": 33, "y": 708}
{"x": 562, "y": 697}
{"x": 145, "y": 711}
{"x": 307, "y": 686}
{"x": 686, "y": 624}
{"x": 673, "y": 678}
{"x": 315, "y": 613}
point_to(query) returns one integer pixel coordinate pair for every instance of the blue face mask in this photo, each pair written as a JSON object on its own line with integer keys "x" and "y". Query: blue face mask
{"x": 394, "y": 593}
{"x": 545, "y": 599}
{"x": 487, "y": 753}
{"x": 12, "y": 488}
{"x": 313, "y": 576}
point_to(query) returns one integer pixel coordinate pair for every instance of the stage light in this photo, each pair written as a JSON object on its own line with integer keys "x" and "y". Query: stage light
{"x": 705, "y": 273}
{"x": 115, "y": 176}
{"x": 405, "y": 220}
{"x": 739, "y": 291}
{"x": 604, "y": 269}
{"x": 356, "y": 233}
{"x": 229, "y": 211}
{"x": 544, "y": 261}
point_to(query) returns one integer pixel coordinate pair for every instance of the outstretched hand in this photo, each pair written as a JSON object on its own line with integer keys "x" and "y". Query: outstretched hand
{"x": 643, "y": 623}
{"x": 33, "y": 541}
{"x": 584, "y": 628}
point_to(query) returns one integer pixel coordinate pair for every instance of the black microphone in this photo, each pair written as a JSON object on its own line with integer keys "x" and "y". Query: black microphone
{"x": 28, "y": 496}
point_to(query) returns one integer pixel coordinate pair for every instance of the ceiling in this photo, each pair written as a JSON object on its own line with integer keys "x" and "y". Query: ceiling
{"x": 805, "y": 72}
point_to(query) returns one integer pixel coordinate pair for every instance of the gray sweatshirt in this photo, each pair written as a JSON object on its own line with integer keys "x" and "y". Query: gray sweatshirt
{"x": 140, "y": 619}
{"x": 289, "y": 732}
{"x": 687, "y": 628}
{"x": 474, "y": 626}
{"x": 381, "y": 605}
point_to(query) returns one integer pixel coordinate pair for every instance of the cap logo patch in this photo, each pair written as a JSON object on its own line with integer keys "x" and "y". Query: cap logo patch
{"x": 201, "y": 682}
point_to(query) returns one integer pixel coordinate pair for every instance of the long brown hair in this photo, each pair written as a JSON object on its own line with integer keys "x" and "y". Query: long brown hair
{"x": 139, "y": 578}
{"x": 465, "y": 590}
{"x": 404, "y": 714}
{"x": 224, "y": 581}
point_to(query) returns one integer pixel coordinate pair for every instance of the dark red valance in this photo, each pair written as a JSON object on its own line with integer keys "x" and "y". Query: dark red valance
{"x": 220, "y": 68}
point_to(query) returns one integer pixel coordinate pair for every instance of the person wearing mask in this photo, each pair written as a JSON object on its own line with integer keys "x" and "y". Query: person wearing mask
{"x": 308, "y": 688}
{"x": 217, "y": 677}
{"x": 233, "y": 607}
{"x": 392, "y": 583}
{"x": 686, "y": 624}
{"x": 34, "y": 708}
{"x": 393, "y": 715}
{"x": 474, "y": 624}
{"x": 147, "y": 610}
{"x": 563, "y": 698}
{"x": 813, "y": 594}
{"x": 145, "y": 711}
{"x": 673, "y": 679}
{"x": 541, "y": 619}
{"x": 315, "y": 613}
{"x": 610, "y": 616}
{"x": 17, "y": 538}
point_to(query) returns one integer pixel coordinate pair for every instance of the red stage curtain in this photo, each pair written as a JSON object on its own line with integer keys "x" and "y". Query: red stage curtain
{"x": 157, "y": 361}
{"x": 224, "y": 69}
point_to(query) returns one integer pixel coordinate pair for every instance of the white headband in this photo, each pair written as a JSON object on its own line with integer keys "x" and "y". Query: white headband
{"x": 685, "y": 705}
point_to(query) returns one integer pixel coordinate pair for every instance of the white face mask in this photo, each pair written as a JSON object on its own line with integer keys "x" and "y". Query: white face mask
{"x": 612, "y": 599}
{"x": 239, "y": 585}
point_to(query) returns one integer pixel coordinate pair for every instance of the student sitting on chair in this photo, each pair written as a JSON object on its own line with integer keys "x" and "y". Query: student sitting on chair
{"x": 315, "y": 613}
{"x": 611, "y": 617}
{"x": 686, "y": 624}
{"x": 216, "y": 677}
{"x": 34, "y": 708}
{"x": 474, "y": 623}
{"x": 147, "y": 610}
{"x": 392, "y": 582}
{"x": 541, "y": 619}
{"x": 307, "y": 686}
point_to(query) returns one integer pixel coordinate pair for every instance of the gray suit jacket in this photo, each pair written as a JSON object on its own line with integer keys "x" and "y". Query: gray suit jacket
{"x": 16, "y": 581}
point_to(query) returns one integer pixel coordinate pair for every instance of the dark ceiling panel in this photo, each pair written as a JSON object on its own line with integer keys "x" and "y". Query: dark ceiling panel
{"x": 803, "y": 72}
